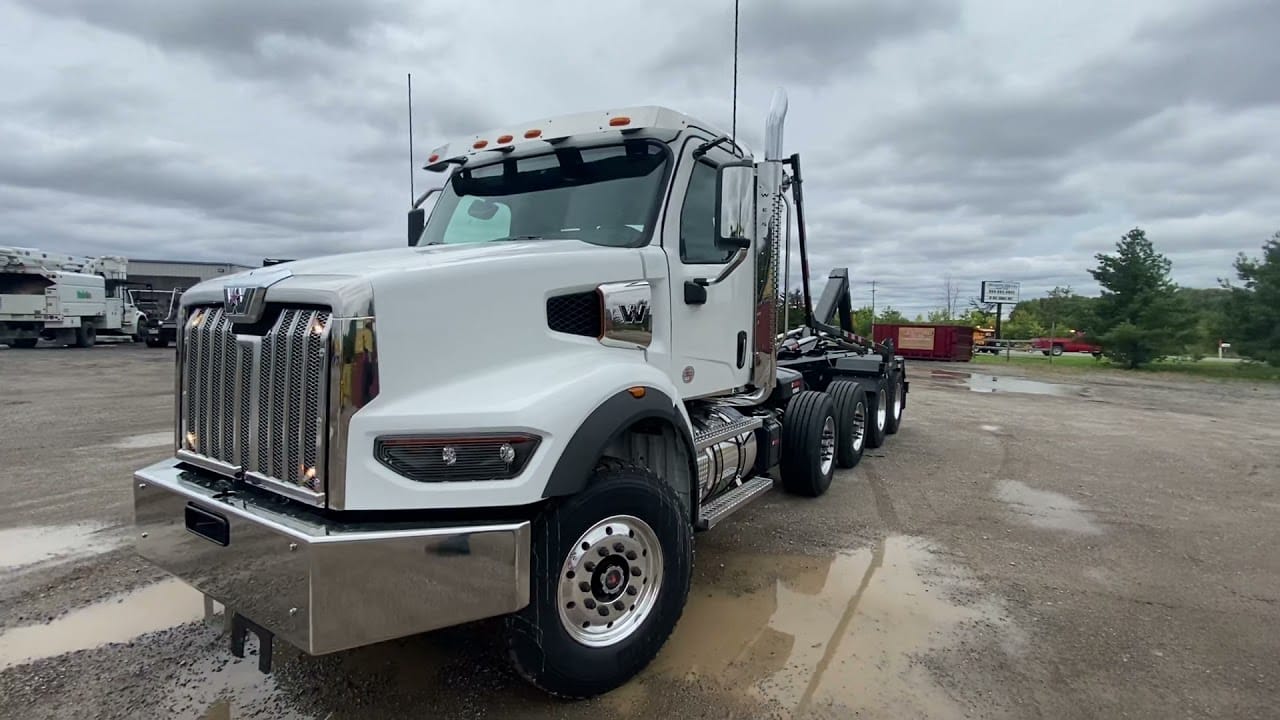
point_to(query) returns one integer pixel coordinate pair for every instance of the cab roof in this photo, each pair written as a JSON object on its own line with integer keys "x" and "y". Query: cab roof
{"x": 550, "y": 130}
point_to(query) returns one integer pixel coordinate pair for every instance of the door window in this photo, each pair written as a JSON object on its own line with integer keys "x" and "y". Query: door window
{"x": 698, "y": 219}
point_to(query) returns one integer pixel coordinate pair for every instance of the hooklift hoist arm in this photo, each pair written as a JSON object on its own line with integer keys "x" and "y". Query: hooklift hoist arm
{"x": 835, "y": 296}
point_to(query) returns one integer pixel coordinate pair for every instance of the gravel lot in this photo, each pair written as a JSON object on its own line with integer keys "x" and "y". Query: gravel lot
{"x": 1100, "y": 548}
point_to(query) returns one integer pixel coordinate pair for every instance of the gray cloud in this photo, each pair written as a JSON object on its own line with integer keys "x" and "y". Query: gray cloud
{"x": 807, "y": 41}
{"x": 939, "y": 137}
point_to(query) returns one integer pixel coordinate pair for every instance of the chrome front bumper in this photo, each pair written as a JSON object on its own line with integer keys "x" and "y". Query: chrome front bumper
{"x": 324, "y": 585}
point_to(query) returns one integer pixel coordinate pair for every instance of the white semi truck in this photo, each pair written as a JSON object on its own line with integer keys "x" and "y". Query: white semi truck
{"x": 63, "y": 298}
{"x": 528, "y": 412}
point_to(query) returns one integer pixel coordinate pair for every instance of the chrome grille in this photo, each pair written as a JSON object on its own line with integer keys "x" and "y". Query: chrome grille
{"x": 256, "y": 405}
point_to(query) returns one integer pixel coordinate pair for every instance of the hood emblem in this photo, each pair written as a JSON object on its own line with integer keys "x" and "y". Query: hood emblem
{"x": 244, "y": 303}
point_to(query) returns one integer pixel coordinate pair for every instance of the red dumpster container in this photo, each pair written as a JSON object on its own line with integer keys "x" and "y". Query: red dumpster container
{"x": 929, "y": 342}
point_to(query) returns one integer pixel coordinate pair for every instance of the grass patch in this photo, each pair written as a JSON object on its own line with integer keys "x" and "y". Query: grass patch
{"x": 1207, "y": 368}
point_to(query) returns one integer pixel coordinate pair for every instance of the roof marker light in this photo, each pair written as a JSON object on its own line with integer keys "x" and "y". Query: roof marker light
{"x": 619, "y": 121}
{"x": 530, "y": 134}
{"x": 504, "y": 139}
{"x": 479, "y": 144}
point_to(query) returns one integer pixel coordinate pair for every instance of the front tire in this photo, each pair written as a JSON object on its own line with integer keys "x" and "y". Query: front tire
{"x": 1057, "y": 350}
{"x": 809, "y": 443}
{"x": 616, "y": 557}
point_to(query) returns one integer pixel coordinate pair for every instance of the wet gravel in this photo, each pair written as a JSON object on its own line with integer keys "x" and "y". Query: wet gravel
{"x": 1101, "y": 553}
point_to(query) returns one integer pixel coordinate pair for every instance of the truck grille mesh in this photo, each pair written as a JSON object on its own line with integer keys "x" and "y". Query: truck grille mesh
{"x": 258, "y": 403}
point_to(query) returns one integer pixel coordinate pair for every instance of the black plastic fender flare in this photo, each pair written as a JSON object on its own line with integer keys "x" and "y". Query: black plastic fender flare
{"x": 612, "y": 418}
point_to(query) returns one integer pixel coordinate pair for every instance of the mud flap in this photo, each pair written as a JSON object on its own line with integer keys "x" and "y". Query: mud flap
{"x": 240, "y": 626}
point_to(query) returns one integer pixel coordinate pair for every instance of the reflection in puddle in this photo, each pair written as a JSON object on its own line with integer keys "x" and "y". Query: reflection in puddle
{"x": 117, "y": 619}
{"x": 33, "y": 544}
{"x": 1047, "y": 510}
{"x": 826, "y": 635}
{"x": 977, "y": 382}
{"x": 146, "y": 440}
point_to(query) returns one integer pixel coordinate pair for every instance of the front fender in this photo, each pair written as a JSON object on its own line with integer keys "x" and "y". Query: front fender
{"x": 568, "y": 400}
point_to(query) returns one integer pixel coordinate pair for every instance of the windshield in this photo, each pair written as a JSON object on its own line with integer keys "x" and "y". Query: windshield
{"x": 605, "y": 195}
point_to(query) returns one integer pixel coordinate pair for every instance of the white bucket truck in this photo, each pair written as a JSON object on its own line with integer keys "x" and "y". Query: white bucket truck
{"x": 63, "y": 298}
{"x": 528, "y": 413}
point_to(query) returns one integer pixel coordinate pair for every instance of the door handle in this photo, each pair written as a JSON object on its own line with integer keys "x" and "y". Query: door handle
{"x": 695, "y": 291}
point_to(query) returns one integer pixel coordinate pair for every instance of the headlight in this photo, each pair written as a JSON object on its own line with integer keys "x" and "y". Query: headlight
{"x": 450, "y": 458}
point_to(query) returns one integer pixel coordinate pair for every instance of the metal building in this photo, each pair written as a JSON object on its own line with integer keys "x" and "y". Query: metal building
{"x": 174, "y": 274}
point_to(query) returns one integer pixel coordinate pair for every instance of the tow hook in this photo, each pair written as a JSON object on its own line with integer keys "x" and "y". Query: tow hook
{"x": 240, "y": 626}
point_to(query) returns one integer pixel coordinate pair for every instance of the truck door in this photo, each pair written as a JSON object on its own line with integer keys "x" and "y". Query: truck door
{"x": 711, "y": 338}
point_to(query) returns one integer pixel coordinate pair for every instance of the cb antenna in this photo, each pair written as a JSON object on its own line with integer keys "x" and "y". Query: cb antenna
{"x": 412, "y": 193}
{"x": 733, "y": 130}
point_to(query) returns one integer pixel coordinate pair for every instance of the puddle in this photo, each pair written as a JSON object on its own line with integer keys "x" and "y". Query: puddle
{"x": 116, "y": 619}
{"x": 22, "y": 547}
{"x": 1047, "y": 510}
{"x": 145, "y": 440}
{"x": 833, "y": 636}
{"x": 977, "y": 382}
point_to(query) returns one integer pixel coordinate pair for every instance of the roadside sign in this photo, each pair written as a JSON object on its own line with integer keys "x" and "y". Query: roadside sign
{"x": 1000, "y": 291}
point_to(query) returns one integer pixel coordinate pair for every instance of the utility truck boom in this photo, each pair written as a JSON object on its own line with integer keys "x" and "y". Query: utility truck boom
{"x": 575, "y": 365}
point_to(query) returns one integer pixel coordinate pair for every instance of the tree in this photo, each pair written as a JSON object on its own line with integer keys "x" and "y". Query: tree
{"x": 1252, "y": 312}
{"x": 889, "y": 316}
{"x": 1139, "y": 317}
{"x": 950, "y": 300}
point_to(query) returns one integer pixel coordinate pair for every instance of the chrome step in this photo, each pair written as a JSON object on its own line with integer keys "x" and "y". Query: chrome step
{"x": 712, "y": 513}
{"x": 719, "y": 433}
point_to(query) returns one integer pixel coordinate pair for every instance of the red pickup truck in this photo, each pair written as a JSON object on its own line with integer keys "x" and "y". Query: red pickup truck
{"x": 1057, "y": 345}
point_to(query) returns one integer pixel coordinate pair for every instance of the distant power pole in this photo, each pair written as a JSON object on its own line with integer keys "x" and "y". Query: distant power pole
{"x": 873, "y": 309}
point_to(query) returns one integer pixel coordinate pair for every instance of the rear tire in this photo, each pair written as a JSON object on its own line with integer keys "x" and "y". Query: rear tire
{"x": 23, "y": 343}
{"x": 1057, "y": 350}
{"x": 851, "y": 421}
{"x": 878, "y": 415}
{"x": 648, "y": 517}
{"x": 157, "y": 342}
{"x": 808, "y": 443}
{"x": 897, "y": 403}
{"x": 86, "y": 335}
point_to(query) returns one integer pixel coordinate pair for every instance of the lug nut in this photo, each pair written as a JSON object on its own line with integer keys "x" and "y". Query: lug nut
{"x": 603, "y": 610}
{"x": 635, "y": 572}
{"x": 631, "y": 590}
{"x": 619, "y": 547}
{"x": 631, "y": 554}
{"x": 604, "y": 551}
{"x": 618, "y": 605}
{"x": 589, "y": 604}
{"x": 589, "y": 566}
{"x": 584, "y": 586}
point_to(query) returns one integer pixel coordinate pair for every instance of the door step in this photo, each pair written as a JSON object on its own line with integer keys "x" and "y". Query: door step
{"x": 712, "y": 513}
{"x": 722, "y": 432}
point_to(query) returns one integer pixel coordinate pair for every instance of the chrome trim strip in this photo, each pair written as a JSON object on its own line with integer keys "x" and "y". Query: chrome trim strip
{"x": 289, "y": 490}
{"x": 208, "y": 463}
{"x": 353, "y": 382}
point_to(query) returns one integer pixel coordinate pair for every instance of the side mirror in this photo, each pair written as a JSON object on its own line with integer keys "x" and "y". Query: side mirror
{"x": 417, "y": 221}
{"x": 735, "y": 204}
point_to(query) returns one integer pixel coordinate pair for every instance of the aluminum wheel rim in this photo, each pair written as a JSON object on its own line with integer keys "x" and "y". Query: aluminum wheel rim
{"x": 882, "y": 409}
{"x": 859, "y": 427}
{"x": 897, "y": 403}
{"x": 827, "y": 445}
{"x": 610, "y": 581}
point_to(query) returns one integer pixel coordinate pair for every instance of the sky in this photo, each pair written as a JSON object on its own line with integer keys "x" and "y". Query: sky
{"x": 980, "y": 140}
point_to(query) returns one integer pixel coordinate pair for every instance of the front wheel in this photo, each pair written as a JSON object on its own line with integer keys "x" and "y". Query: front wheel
{"x": 610, "y": 576}
{"x": 1057, "y": 350}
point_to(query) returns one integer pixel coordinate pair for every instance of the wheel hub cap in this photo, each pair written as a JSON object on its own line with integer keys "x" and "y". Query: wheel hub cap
{"x": 610, "y": 581}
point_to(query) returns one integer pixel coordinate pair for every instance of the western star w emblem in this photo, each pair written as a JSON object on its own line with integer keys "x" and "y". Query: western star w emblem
{"x": 244, "y": 303}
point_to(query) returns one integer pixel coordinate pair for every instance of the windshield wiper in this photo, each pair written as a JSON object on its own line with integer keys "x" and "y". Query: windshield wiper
{"x": 516, "y": 238}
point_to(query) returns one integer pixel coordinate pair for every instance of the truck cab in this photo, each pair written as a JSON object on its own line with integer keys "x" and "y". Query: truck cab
{"x": 527, "y": 412}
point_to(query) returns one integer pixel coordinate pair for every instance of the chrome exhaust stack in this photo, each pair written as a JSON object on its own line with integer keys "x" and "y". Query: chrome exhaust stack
{"x": 771, "y": 226}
